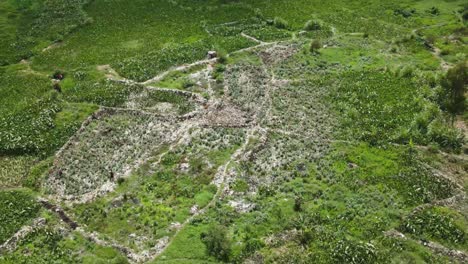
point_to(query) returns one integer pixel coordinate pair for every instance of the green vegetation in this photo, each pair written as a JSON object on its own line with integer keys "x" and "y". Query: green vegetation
{"x": 455, "y": 88}
{"x": 50, "y": 245}
{"x": 18, "y": 208}
{"x": 439, "y": 224}
{"x": 322, "y": 130}
{"x": 217, "y": 243}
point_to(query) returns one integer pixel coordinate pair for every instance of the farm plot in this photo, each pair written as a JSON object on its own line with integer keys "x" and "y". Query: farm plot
{"x": 106, "y": 149}
{"x": 278, "y": 157}
{"x": 158, "y": 198}
{"x": 246, "y": 87}
{"x": 300, "y": 107}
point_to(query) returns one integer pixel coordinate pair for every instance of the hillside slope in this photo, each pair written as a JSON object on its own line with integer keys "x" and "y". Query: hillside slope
{"x": 319, "y": 133}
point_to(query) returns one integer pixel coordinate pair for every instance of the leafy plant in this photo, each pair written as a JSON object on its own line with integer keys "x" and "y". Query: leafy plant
{"x": 217, "y": 242}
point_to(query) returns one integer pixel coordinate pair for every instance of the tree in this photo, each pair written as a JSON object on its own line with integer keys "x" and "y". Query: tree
{"x": 217, "y": 242}
{"x": 315, "y": 46}
{"x": 454, "y": 84}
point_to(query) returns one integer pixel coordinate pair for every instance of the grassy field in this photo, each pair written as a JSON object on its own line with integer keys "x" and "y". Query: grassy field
{"x": 311, "y": 148}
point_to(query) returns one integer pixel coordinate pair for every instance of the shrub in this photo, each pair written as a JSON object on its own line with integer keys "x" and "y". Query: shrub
{"x": 252, "y": 245}
{"x": 313, "y": 25}
{"x": 305, "y": 237}
{"x": 187, "y": 83}
{"x": 217, "y": 242}
{"x": 406, "y": 72}
{"x": 315, "y": 45}
{"x": 434, "y": 11}
{"x": 280, "y": 23}
{"x": 222, "y": 56}
{"x": 58, "y": 75}
{"x": 298, "y": 204}
{"x": 258, "y": 13}
{"x": 405, "y": 12}
{"x": 445, "y": 136}
{"x": 454, "y": 84}
{"x": 349, "y": 251}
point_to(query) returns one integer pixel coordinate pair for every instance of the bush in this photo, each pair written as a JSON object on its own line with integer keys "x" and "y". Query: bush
{"x": 445, "y": 136}
{"x": 406, "y": 72}
{"x": 434, "y": 11}
{"x": 453, "y": 95}
{"x": 280, "y": 23}
{"x": 298, "y": 204}
{"x": 313, "y": 25}
{"x": 217, "y": 242}
{"x": 349, "y": 251}
{"x": 187, "y": 83}
{"x": 222, "y": 56}
{"x": 315, "y": 46}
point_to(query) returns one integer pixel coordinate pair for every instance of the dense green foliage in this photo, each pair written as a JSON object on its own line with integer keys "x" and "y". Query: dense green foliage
{"x": 30, "y": 26}
{"x": 439, "y": 223}
{"x": 217, "y": 243}
{"x": 454, "y": 85}
{"x": 17, "y": 208}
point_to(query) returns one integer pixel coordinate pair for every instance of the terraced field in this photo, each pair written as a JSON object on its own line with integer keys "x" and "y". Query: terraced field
{"x": 320, "y": 132}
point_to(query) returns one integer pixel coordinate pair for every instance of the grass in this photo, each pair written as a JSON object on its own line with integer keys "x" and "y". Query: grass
{"x": 187, "y": 247}
{"x": 179, "y": 79}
